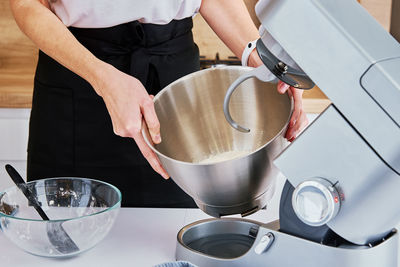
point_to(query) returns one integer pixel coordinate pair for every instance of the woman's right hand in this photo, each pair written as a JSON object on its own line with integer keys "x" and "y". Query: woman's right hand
{"x": 128, "y": 103}
{"x": 125, "y": 97}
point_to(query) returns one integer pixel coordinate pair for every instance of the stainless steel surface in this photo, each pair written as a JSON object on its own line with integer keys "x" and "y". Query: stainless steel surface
{"x": 316, "y": 201}
{"x": 286, "y": 250}
{"x": 193, "y": 127}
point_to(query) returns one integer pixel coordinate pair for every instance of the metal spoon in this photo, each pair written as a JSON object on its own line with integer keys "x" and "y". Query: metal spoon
{"x": 57, "y": 235}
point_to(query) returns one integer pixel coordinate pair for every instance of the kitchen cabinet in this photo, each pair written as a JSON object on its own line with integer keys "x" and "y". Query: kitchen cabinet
{"x": 13, "y": 142}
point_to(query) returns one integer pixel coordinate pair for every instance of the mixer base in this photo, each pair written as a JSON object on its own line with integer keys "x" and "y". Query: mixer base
{"x": 239, "y": 242}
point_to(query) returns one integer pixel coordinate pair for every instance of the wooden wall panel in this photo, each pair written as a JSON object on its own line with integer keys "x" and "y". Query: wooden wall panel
{"x": 380, "y": 10}
{"x": 18, "y": 56}
{"x": 208, "y": 41}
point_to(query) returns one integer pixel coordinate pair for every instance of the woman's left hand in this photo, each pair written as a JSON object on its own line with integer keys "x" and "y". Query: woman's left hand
{"x": 299, "y": 120}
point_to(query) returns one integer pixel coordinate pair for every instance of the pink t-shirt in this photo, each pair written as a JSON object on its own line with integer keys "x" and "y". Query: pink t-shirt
{"x": 108, "y": 13}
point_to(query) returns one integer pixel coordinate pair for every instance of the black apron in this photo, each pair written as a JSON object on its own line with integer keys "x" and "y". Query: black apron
{"x": 70, "y": 130}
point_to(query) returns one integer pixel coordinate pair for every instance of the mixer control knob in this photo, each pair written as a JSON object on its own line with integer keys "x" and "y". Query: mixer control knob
{"x": 316, "y": 201}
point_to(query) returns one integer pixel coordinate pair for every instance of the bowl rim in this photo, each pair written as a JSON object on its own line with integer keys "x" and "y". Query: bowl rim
{"x": 151, "y": 145}
{"x": 116, "y": 205}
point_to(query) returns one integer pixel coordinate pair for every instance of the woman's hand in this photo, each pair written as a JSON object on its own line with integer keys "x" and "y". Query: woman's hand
{"x": 128, "y": 103}
{"x": 125, "y": 97}
{"x": 299, "y": 120}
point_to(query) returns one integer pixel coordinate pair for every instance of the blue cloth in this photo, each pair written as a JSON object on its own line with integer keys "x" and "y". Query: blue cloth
{"x": 176, "y": 264}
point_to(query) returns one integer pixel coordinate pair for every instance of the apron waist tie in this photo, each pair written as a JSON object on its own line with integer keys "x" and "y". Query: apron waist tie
{"x": 136, "y": 43}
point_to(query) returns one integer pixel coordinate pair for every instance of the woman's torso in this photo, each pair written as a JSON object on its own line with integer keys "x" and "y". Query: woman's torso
{"x": 106, "y": 13}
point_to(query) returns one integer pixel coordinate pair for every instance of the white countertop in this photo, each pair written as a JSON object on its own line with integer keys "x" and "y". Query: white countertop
{"x": 140, "y": 237}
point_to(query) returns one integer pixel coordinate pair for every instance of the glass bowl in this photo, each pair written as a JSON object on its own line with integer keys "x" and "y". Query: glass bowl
{"x": 81, "y": 212}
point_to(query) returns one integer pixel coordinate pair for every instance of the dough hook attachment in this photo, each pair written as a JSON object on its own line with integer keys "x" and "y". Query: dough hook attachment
{"x": 272, "y": 65}
{"x": 259, "y": 73}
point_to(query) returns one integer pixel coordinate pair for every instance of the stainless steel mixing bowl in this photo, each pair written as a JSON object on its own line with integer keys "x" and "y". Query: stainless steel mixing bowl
{"x": 193, "y": 127}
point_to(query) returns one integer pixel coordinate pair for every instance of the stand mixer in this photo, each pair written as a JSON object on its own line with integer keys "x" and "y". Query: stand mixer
{"x": 339, "y": 206}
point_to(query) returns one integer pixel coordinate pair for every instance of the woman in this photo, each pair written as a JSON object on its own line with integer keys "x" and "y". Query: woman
{"x": 96, "y": 60}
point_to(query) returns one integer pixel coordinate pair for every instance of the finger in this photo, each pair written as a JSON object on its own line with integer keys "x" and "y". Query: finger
{"x": 297, "y": 96}
{"x": 151, "y": 119}
{"x": 301, "y": 123}
{"x": 291, "y": 133}
{"x": 282, "y": 87}
{"x": 150, "y": 156}
{"x": 152, "y": 97}
{"x": 129, "y": 125}
{"x": 304, "y": 121}
{"x": 298, "y": 103}
{"x": 290, "y": 93}
{"x": 298, "y": 108}
{"x": 295, "y": 115}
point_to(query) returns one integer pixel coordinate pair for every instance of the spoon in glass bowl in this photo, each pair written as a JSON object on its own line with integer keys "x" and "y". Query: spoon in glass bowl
{"x": 57, "y": 235}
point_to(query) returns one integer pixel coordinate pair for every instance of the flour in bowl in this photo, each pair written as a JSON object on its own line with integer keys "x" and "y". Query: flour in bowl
{"x": 223, "y": 157}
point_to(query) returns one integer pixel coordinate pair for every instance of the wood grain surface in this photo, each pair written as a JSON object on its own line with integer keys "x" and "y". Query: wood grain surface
{"x": 18, "y": 55}
{"x": 380, "y": 10}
